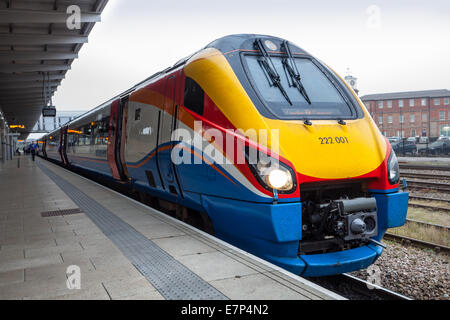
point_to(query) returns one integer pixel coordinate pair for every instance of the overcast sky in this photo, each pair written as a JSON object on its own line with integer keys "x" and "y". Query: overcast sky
{"x": 388, "y": 45}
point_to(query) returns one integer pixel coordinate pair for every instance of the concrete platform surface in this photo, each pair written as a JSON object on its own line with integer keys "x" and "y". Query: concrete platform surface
{"x": 40, "y": 256}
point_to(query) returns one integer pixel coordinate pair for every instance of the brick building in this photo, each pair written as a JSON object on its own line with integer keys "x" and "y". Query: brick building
{"x": 411, "y": 114}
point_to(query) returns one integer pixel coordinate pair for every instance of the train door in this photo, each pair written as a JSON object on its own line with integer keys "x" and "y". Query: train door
{"x": 112, "y": 139}
{"x": 167, "y": 124}
{"x": 115, "y": 145}
{"x": 44, "y": 148}
{"x": 62, "y": 145}
{"x": 122, "y": 138}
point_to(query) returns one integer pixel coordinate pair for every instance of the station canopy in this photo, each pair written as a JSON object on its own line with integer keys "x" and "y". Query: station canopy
{"x": 39, "y": 39}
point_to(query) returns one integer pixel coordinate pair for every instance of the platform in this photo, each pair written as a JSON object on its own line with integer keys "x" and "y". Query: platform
{"x": 124, "y": 249}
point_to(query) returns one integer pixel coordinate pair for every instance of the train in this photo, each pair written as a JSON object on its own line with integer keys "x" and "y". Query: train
{"x": 255, "y": 141}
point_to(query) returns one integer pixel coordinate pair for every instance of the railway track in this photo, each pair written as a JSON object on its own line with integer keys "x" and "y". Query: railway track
{"x": 436, "y": 186}
{"x": 423, "y": 167}
{"x": 428, "y": 207}
{"x": 424, "y": 175}
{"x": 417, "y": 242}
{"x": 413, "y": 197}
{"x": 354, "y": 288}
{"x": 426, "y": 224}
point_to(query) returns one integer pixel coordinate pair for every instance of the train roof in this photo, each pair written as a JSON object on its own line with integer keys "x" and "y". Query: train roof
{"x": 246, "y": 42}
{"x": 225, "y": 44}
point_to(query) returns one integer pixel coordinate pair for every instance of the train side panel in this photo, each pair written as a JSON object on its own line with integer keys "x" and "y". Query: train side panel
{"x": 144, "y": 111}
{"x": 52, "y": 146}
{"x": 87, "y": 142}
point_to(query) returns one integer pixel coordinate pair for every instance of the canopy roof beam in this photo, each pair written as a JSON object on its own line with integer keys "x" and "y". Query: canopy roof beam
{"x": 36, "y": 55}
{"x": 8, "y": 78}
{"x": 13, "y": 68}
{"x": 35, "y": 16}
{"x": 15, "y": 39}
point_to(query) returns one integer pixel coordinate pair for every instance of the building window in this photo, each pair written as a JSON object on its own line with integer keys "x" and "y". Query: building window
{"x": 380, "y": 119}
{"x": 411, "y": 118}
{"x": 389, "y": 119}
{"x": 441, "y": 115}
{"x": 411, "y": 102}
{"x": 413, "y": 132}
{"x": 400, "y": 103}
{"x": 402, "y": 117}
{"x": 424, "y": 117}
{"x": 424, "y": 102}
{"x": 445, "y": 130}
{"x": 437, "y": 102}
{"x": 446, "y": 101}
{"x": 389, "y": 103}
{"x": 380, "y": 104}
{"x": 449, "y": 115}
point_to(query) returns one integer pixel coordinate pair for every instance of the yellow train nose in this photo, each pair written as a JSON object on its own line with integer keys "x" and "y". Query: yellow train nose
{"x": 328, "y": 150}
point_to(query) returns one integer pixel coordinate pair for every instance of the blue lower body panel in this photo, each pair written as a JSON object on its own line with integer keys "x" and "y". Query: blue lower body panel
{"x": 273, "y": 232}
{"x": 92, "y": 165}
{"x": 339, "y": 262}
{"x": 270, "y": 231}
{"x": 392, "y": 209}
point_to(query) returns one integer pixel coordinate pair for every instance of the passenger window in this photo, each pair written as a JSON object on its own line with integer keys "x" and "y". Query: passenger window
{"x": 137, "y": 114}
{"x": 193, "y": 96}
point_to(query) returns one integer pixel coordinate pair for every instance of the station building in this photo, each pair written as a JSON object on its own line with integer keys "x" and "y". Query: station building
{"x": 411, "y": 114}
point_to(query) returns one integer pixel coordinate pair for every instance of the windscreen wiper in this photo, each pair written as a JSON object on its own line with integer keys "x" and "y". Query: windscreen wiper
{"x": 271, "y": 70}
{"x": 293, "y": 71}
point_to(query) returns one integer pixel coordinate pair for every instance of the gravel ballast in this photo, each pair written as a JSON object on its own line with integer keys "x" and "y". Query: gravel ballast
{"x": 416, "y": 273}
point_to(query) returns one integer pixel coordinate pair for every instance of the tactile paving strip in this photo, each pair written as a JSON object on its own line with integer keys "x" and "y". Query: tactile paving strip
{"x": 172, "y": 279}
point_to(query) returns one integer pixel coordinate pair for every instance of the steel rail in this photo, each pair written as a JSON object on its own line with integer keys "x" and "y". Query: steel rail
{"x": 428, "y": 198}
{"x": 423, "y": 175}
{"x": 417, "y": 242}
{"x": 423, "y": 167}
{"x": 354, "y": 288}
{"x": 437, "y": 186}
{"x": 426, "y": 224}
{"x": 425, "y": 206}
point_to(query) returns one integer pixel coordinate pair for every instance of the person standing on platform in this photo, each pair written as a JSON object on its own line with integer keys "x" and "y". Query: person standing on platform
{"x": 34, "y": 148}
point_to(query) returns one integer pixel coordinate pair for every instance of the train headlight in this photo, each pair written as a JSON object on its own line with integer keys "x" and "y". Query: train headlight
{"x": 393, "y": 168}
{"x": 279, "y": 179}
{"x": 270, "y": 173}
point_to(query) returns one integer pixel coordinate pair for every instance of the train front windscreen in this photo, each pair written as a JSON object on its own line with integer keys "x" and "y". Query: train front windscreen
{"x": 296, "y": 88}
